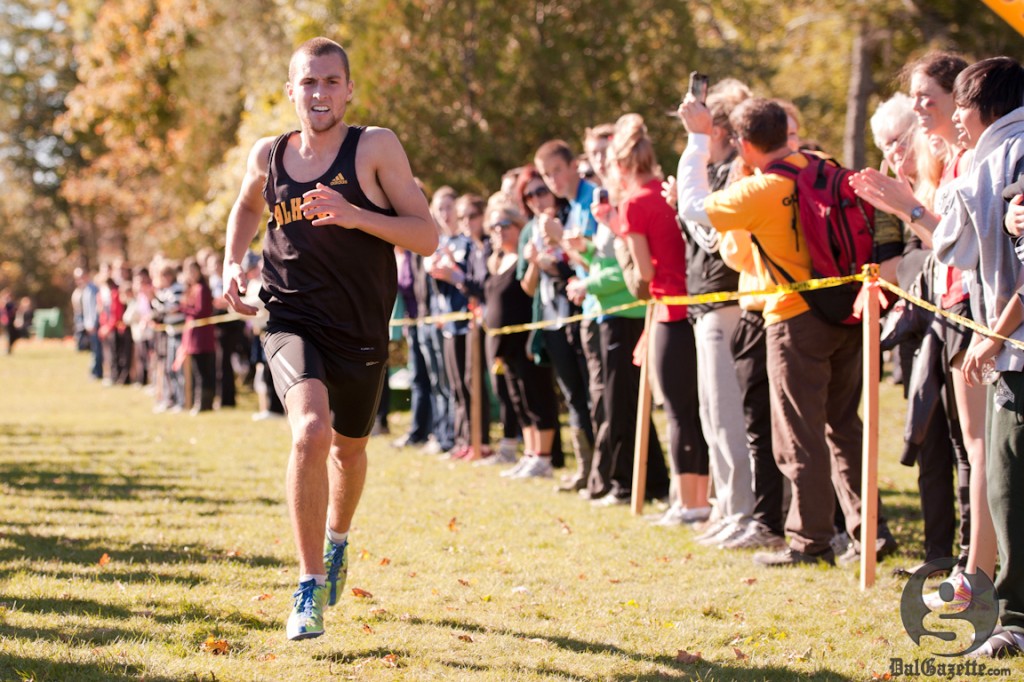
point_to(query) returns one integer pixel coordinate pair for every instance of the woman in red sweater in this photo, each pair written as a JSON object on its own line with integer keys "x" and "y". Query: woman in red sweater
{"x": 649, "y": 225}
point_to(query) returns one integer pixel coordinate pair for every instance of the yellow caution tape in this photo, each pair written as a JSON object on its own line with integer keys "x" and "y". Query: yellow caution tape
{"x": 713, "y": 297}
{"x": 431, "y": 319}
{"x": 795, "y": 287}
{"x": 202, "y": 322}
{"x": 959, "y": 319}
{"x": 870, "y": 273}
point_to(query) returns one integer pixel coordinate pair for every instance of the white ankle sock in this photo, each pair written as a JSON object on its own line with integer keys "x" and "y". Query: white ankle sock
{"x": 335, "y": 537}
{"x": 320, "y": 579}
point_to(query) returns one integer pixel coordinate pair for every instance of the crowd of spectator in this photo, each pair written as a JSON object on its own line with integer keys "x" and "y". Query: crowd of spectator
{"x": 164, "y": 326}
{"x": 760, "y": 396}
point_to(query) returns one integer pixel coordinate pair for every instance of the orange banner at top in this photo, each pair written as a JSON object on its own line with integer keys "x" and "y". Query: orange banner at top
{"x": 1012, "y": 12}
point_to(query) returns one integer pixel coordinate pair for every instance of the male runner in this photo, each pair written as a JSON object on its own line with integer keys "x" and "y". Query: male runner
{"x": 340, "y": 198}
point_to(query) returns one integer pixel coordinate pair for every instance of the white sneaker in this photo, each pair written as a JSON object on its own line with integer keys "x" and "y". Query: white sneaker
{"x": 432, "y": 447}
{"x": 510, "y": 473}
{"x": 732, "y": 527}
{"x": 714, "y": 528}
{"x": 673, "y": 516}
{"x": 535, "y": 467}
{"x": 731, "y": 533}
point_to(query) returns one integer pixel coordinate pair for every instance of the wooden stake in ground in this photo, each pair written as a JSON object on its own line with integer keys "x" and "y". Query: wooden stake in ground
{"x": 473, "y": 360}
{"x": 869, "y": 465}
{"x": 643, "y": 424}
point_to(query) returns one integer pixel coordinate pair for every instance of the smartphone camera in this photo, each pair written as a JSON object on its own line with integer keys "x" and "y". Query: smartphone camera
{"x": 699, "y": 86}
{"x": 602, "y": 196}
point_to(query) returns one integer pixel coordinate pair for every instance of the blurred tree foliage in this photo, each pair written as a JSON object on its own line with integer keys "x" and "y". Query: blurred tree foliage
{"x": 125, "y": 124}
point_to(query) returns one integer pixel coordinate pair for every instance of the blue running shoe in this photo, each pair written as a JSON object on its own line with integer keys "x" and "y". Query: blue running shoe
{"x": 336, "y": 566}
{"x": 307, "y": 617}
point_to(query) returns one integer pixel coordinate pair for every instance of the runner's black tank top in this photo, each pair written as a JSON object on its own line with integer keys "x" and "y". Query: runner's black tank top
{"x": 337, "y": 284}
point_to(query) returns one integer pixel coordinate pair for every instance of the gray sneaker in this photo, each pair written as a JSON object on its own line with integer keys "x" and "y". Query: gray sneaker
{"x": 757, "y": 536}
{"x": 498, "y": 457}
{"x": 534, "y": 467}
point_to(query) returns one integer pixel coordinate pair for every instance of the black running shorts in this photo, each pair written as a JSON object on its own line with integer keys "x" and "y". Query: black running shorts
{"x": 353, "y": 386}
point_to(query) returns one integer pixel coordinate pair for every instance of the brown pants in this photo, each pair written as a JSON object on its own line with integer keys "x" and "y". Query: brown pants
{"x": 815, "y": 377}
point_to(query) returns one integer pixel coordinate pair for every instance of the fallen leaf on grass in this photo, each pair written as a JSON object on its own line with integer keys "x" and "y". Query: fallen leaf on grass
{"x": 412, "y": 574}
{"x": 748, "y": 581}
{"x": 365, "y": 554}
{"x": 465, "y": 638}
{"x": 662, "y": 560}
{"x": 378, "y": 612}
{"x": 367, "y": 629}
{"x": 486, "y": 597}
{"x": 881, "y": 640}
{"x": 263, "y": 596}
{"x": 385, "y": 561}
{"x": 357, "y": 592}
{"x": 391, "y": 661}
{"x": 882, "y": 676}
{"x": 464, "y": 583}
{"x": 632, "y": 602}
{"x": 266, "y": 657}
{"x": 614, "y": 581}
{"x": 686, "y": 657}
{"x": 739, "y": 654}
{"x": 565, "y": 527}
{"x": 104, "y": 560}
{"x": 582, "y": 576}
{"x": 232, "y": 553}
{"x": 453, "y": 525}
{"x": 217, "y": 647}
{"x": 689, "y": 555}
{"x": 633, "y": 563}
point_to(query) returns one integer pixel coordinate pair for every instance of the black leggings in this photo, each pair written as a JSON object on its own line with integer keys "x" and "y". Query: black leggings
{"x": 531, "y": 389}
{"x": 675, "y": 361}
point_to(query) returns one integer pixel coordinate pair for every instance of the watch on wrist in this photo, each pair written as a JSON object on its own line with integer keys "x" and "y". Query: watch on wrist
{"x": 916, "y": 213}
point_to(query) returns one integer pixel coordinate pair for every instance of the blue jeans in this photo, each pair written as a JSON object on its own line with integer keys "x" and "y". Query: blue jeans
{"x": 419, "y": 390}
{"x": 433, "y": 356}
{"x": 97, "y": 354}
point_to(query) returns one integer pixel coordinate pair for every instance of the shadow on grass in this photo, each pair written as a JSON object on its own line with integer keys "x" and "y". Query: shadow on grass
{"x": 128, "y": 563}
{"x": 46, "y": 478}
{"x": 40, "y": 669}
{"x": 177, "y": 613}
{"x": 902, "y": 509}
{"x": 681, "y": 671}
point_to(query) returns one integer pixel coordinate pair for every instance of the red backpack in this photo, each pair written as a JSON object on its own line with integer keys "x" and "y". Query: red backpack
{"x": 838, "y": 227}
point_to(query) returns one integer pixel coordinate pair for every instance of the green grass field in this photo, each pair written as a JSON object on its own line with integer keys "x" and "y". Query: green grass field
{"x": 136, "y": 546}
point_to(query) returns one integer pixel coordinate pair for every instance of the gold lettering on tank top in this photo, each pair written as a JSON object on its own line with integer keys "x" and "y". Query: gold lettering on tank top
{"x": 289, "y": 211}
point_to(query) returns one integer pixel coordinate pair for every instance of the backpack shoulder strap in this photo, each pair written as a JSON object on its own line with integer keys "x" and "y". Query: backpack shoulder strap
{"x": 772, "y": 263}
